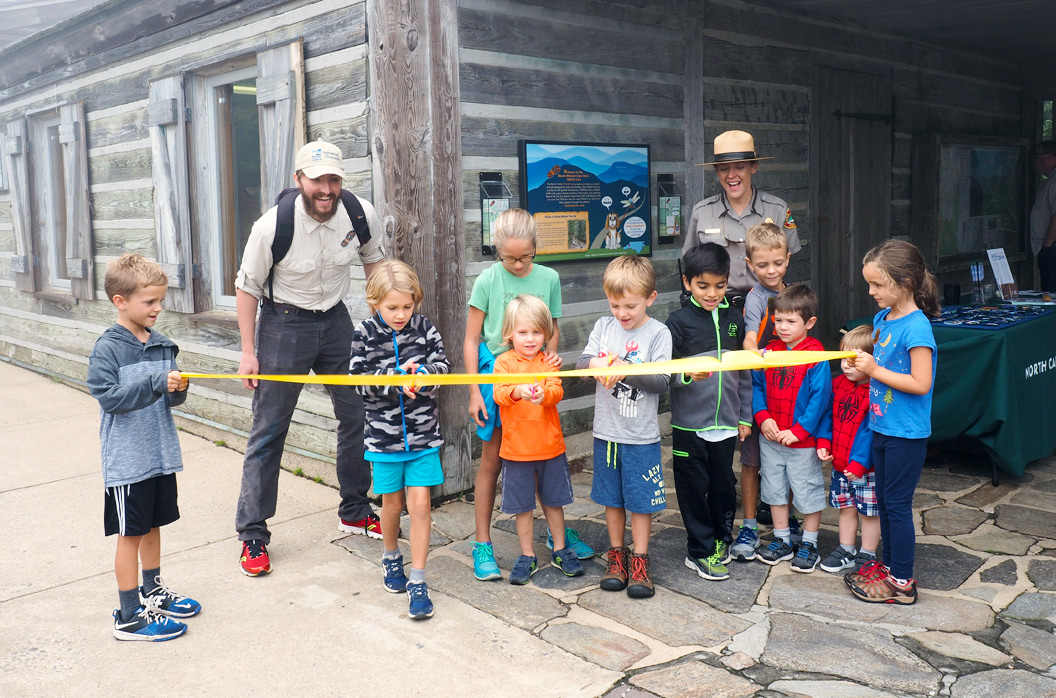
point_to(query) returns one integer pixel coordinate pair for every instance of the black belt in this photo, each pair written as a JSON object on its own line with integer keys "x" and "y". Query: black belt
{"x": 289, "y": 309}
{"x": 736, "y": 299}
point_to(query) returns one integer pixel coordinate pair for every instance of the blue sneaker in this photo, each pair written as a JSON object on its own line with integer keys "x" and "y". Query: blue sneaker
{"x": 169, "y": 604}
{"x": 523, "y": 569}
{"x": 421, "y": 606}
{"x": 746, "y": 544}
{"x": 572, "y": 540}
{"x": 395, "y": 579}
{"x": 566, "y": 561}
{"x": 777, "y": 551}
{"x": 484, "y": 567}
{"x": 147, "y": 625}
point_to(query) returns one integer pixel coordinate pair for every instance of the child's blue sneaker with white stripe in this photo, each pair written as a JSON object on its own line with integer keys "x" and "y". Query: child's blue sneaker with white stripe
{"x": 169, "y": 603}
{"x": 147, "y": 625}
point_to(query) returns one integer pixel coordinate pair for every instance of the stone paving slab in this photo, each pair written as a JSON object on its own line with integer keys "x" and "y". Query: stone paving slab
{"x": 1005, "y": 573}
{"x": 1004, "y": 682}
{"x": 736, "y": 594}
{"x": 1032, "y": 606}
{"x": 671, "y": 618}
{"x": 988, "y": 538}
{"x": 952, "y": 520}
{"x": 986, "y": 495}
{"x": 943, "y": 567}
{"x": 827, "y": 689}
{"x": 827, "y": 596}
{"x": 941, "y": 481}
{"x": 1043, "y": 574}
{"x": 960, "y": 646}
{"x": 598, "y": 645}
{"x": 693, "y": 679}
{"x": 864, "y": 654}
{"x": 626, "y": 691}
{"x": 1035, "y": 498}
{"x": 455, "y": 520}
{"x": 1031, "y": 645}
{"x": 1026, "y": 521}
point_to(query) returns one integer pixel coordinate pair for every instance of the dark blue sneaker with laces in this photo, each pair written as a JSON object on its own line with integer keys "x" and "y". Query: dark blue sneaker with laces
{"x": 568, "y": 562}
{"x": 795, "y": 531}
{"x": 523, "y": 569}
{"x": 776, "y": 552}
{"x": 169, "y": 603}
{"x": 147, "y": 625}
{"x": 421, "y": 606}
{"x": 806, "y": 558}
{"x": 395, "y": 579}
{"x": 572, "y": 540}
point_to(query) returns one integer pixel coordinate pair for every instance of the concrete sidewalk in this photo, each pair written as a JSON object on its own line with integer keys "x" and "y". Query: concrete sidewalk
{"x": 322, "y": 625}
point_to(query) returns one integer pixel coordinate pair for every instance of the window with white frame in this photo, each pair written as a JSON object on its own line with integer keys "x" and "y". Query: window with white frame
{"x": 51, "y": 224}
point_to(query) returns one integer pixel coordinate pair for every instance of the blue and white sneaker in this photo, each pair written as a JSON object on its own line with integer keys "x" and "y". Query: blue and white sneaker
{"x": 169, "y": 603}
{"x": 567, "y": 561}
{"x": 395, "y": 579}
{"x": 484, "y": 566}
{"x": 572, "y": 540}
{"x": 421, "y": 606}
{"x": 746, "y": 544}
{"x": 147, "y": 625}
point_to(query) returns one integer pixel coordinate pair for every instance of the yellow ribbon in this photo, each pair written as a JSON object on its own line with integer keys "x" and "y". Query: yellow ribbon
{"x": 731, "y": 361}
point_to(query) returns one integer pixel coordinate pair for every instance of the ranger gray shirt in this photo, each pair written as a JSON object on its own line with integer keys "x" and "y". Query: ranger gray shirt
{"x": 626, "y": 413}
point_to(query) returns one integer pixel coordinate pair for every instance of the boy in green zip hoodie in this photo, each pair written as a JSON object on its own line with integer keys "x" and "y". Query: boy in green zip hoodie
{"x": 709, "y": 413}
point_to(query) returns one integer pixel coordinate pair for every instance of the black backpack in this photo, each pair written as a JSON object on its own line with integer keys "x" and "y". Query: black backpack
{"x": 284, "y": 226}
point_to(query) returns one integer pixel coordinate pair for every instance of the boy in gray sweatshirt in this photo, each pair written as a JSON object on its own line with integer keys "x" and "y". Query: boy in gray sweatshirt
{"x": 132, "y": 373}
{"x": 627, "y": 472}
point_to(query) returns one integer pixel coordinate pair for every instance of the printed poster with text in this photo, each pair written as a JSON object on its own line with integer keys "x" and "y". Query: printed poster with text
{"x": 588, "y": 200}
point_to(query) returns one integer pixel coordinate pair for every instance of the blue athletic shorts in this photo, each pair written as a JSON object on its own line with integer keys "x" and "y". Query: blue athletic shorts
{"x": 419, "y": 471}
{"x": 628, "y": 476}
{"x": 521, "y": 479}
{"x": 486, "y": 364}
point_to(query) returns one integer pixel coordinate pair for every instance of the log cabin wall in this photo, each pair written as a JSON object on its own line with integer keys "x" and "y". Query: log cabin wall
{"x": 670, "y": 73}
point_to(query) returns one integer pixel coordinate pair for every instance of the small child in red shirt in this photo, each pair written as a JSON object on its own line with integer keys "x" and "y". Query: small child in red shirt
{"x": 845, "y": 439}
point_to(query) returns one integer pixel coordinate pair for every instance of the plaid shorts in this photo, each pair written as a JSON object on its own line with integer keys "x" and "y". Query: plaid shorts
{"x": 844, "y": 494}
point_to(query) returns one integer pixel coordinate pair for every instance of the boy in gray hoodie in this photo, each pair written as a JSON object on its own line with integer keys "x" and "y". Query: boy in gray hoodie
{"x": 132, "y": 373}
{"x": 708, "y": 412}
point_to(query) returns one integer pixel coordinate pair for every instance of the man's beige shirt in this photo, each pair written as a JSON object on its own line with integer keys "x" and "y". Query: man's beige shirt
{"x": 315, "y": 273}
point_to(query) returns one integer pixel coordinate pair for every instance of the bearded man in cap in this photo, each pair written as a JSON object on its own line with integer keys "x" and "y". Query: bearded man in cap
{"x": 726, "y": 217}
{"x": 302, "y": 325}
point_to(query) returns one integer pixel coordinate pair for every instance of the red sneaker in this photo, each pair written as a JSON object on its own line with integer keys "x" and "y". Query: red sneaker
{"x": 255, "y": 560}
{"x": 369, "y": 526}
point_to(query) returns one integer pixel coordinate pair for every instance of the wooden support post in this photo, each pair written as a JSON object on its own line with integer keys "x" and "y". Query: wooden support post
{"x": 693, "y": 106}
{"x": 416, "y": 146}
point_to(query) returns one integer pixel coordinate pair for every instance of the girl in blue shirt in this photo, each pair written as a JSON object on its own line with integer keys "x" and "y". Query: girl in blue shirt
{"x": 901, "y": 371}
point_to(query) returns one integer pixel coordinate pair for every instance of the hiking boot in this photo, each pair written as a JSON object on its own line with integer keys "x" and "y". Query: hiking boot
{"x": 147, "y": 624}
{"x": 806, "y": 558}
{"x": 420, "y": 605}
{"x": 885, "y": 589}
{"x": 710, "y": 567}
{"x": 369, "y": 526}
{"x": 523, "y": 569}
{"x": 169, "y": 603}
{"x": 838, "y": 560}
{"x": 640, "y": 585}
{"x": 484, "y": 566}
{"x": 566, "y": 561}
{"x": 572, "y": 540}
{"x": 615, "y": 577}
{"x": 395, "y": 580}
{"x": 255, "y": 560}
{"x": 777, "y": 551}
{"x": 746, "y": 544}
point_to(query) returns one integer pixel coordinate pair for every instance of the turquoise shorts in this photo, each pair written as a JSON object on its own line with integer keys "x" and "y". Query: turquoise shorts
{"x": 486, "y": 364}
{"x": 420, "y": 470}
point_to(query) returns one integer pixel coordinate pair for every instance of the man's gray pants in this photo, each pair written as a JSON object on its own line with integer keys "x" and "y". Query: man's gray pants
{"x": 293, "y": 341}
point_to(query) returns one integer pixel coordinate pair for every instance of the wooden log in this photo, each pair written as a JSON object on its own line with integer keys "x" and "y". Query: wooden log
{"x": 780, "y": 65}
{"x": 120, "y": 167}
{"x": 350, "y": 135}
{"x": 114, "y": 242}
{"x": 730, "y": 102}
{"x": 537, "y": 88}
{"x": 337, "y": 85}
{"x": 120, "y": 128}
{"x": 418, "y": 179}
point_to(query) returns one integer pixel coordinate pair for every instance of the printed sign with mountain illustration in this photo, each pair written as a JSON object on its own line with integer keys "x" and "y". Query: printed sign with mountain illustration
{"x": 588, "y": 200}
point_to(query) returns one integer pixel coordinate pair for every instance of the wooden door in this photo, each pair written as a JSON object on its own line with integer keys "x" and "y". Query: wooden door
{"x": 851, "y": 192}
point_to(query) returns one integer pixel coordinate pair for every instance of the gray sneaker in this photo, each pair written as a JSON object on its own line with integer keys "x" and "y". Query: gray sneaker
{"x": 746, "y": 544}
{"x": 806, "y": 558}
{"x": 838, "y": 560}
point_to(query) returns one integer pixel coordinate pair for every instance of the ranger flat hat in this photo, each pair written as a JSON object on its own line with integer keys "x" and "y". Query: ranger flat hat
{"x": 734, "y": 146}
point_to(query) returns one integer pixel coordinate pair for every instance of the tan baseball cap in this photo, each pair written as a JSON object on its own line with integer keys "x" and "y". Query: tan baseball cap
{"x": 734, "y": 146}
{"x": 320, "y": 158}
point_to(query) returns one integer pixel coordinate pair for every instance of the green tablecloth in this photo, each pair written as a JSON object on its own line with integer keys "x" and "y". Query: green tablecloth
{"x": 999, "y": 387}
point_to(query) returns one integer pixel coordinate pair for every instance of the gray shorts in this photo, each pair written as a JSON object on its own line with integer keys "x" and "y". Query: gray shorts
{"x": 521, "y": 479}
{"x": 784, "y": 467}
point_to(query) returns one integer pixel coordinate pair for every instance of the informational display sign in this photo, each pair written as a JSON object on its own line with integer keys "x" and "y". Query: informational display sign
{"x": 588, "y": 199}
{"x": 1003, "y": 274}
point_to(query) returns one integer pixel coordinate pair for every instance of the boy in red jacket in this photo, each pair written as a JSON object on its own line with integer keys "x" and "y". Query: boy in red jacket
{"x": 845, "y": 439}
